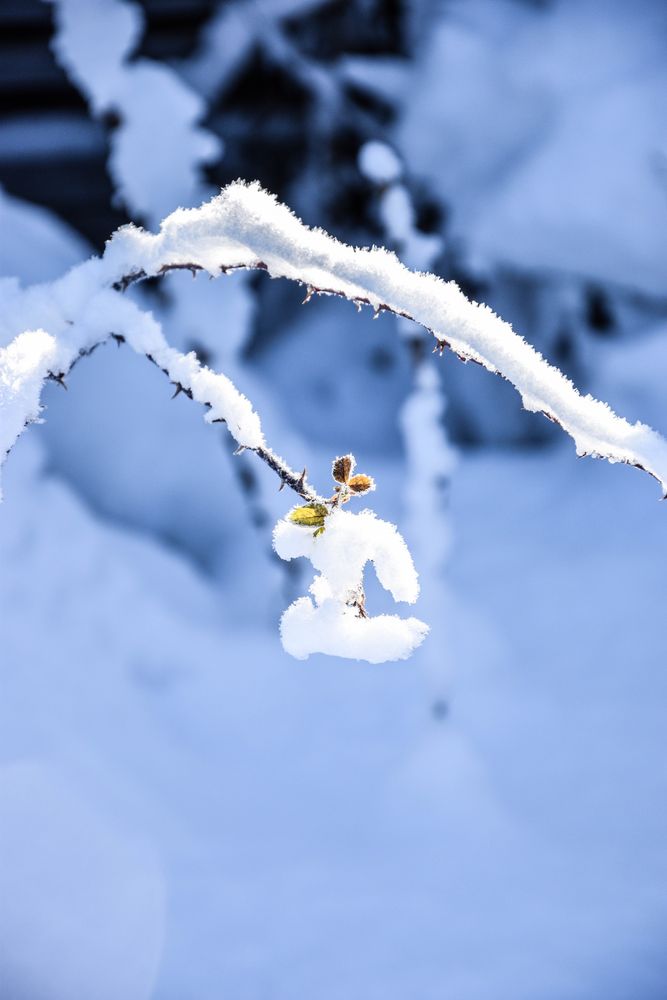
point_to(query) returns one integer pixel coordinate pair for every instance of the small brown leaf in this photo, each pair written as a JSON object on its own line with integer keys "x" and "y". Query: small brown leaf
{"x": 361, "y": 484}
{"x": 342, "y": 468}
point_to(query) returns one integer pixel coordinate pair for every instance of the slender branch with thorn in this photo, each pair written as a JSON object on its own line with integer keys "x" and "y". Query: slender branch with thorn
{"x": 246, "y": 228}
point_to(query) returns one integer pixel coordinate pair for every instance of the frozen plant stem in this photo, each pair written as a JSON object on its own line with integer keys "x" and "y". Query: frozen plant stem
{"x": 49, "y": 328}
{"x": 296, "y": 481}
{"x": 244, "y": 227}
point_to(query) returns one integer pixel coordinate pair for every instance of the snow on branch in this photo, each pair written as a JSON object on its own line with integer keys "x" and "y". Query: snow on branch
{"x": 341, "y": 544}
{"x": 245, "y": 227}
{"x": 24, "y": 366}
{"x": 34, "y": 356}
{"x": 48, "y": 328}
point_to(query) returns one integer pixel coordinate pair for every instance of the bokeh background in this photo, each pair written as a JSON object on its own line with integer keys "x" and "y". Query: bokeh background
{"x": 186, "y": 812}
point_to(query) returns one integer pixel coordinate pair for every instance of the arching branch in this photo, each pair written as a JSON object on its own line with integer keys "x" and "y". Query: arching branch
{"x": 244, "y": 227}
{"x": 296, "y": 481}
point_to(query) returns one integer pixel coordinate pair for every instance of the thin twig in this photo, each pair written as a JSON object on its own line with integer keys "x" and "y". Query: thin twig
{"x": 296, "y": 481}
{"x": 359, "y": 300}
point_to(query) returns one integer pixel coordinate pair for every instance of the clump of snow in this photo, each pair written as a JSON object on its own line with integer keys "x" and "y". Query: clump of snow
{"x": 418, "y": 250}
{"x": 151, "y": 96}
{"x": 157, "y": 110}
{"x": 92, "y": 41}
{"x": 332, "y": 623}
{"x": 336, "y": 630}
{"x": 348, "y": 543}
{"x": 23, "y": 367}
{"x": 79, "y": 315}
{"x": 379, "y": 163}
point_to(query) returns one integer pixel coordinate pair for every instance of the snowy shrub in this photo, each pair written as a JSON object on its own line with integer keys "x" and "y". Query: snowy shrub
{"x": 49, "y": 328}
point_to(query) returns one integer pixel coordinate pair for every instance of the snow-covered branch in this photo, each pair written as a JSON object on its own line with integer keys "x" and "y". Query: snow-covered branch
{"x": 246, "y": 227}
{"x": 341, "y": 544}
{"x": 35, "y": 356}
{"x": 187, "y": 375}
{"x": 48, "y": 328}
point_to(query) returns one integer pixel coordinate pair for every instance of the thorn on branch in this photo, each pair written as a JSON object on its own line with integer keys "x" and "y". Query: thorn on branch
{"x": 309, "y": 294}
{"x": 296, "y": 481}
{"x": 440, "y": 347}
{"x": 179, "y": 389}
{"x": 301, "y": 481}
{"x": 282, "y": 487}
{"x": 119, "y": 338}
{"x": 239, "y": 450}
{"x": 60, "y": 379}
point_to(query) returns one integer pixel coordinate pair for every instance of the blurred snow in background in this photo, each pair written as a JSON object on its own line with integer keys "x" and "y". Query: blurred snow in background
{"x": 184, "y": 810}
